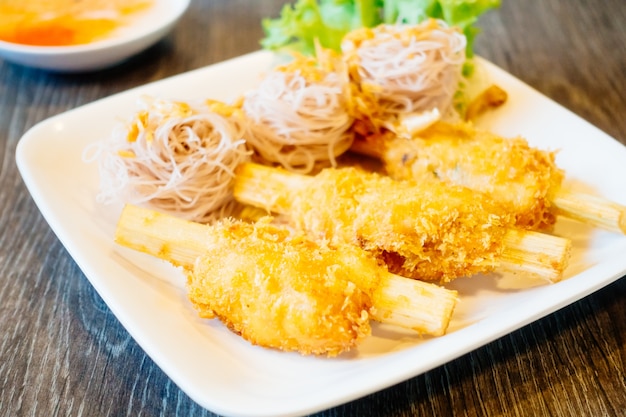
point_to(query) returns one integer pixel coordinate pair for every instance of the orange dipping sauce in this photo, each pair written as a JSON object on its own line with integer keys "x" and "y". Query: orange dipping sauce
{"x": 64, "y": 22}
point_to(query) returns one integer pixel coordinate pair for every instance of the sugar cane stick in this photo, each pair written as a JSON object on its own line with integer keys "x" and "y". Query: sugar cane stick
{"x": 593, "y": 210}
{"x": 423, "y": 307}
{"x": 535, "y": 254}
{"x": 528, "y": 252}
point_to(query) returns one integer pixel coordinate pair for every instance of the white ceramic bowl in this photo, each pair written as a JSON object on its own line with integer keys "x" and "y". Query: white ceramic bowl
{"x": 144, "y": 31}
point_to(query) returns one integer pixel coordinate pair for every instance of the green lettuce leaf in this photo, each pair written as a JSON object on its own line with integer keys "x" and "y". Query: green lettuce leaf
{"x": 300, "y": 24}
{"x": 460, "y": 13}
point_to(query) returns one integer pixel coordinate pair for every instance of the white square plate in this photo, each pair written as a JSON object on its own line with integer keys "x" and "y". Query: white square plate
{"x": 221, "y": 371}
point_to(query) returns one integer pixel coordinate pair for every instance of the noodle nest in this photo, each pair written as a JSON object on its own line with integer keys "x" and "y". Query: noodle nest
{"x": 299, "y": 115}
{"x": 177, "y": 157}
{"x": 400, "y": 69}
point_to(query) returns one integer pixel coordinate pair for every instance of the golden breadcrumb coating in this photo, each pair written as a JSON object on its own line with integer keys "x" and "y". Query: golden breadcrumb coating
{"x": 522, "y": 178}
{"x": 429, "y": 230}
{"x": 284, "y": 292}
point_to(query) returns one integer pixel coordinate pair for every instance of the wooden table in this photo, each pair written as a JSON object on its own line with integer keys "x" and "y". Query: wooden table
{"x": 64, "y": 353}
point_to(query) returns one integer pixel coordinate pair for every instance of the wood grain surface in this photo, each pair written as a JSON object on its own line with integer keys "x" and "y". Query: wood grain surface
{"x": 63, "y": 353}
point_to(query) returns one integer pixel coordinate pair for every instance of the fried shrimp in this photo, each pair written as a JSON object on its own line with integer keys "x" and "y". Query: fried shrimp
{"x": 525, "y": 180}
{"x": 280, "y": 289}
{"x": 426, "y": 230}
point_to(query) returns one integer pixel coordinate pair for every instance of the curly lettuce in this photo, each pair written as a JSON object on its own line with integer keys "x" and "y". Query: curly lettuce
{"x": 326, "y": 21}
{"x": 301, "y": 24}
